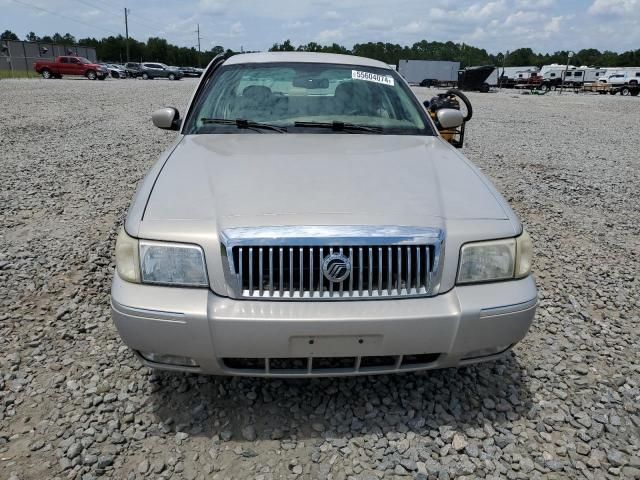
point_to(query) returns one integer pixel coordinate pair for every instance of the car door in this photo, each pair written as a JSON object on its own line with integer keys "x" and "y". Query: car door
{"x": 63, "y": 66}
{"x": 69, "y": 66}
{"x": 162, "y": 71}
{"x": 75, "y": 67}
{"x": 155, "y": 70}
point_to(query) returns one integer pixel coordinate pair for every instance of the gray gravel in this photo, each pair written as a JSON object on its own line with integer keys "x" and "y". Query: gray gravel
{"x": 74, "y": 403}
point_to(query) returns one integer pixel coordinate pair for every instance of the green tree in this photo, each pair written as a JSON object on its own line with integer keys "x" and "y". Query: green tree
{"x": 157, "y": 49}
{"x": 8, "y": 35}
{"x": 589, "y": 56}
{"x": 521, "y": 57}
{"x": 282, "y": 47}
{"x": 32, "y": 37}
{"x": 309, "y": 47}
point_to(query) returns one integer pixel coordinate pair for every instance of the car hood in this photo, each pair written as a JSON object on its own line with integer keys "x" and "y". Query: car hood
{"x": 320, "y": 179}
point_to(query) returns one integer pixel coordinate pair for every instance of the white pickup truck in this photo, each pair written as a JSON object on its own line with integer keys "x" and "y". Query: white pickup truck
{"x": 623, "y": 81}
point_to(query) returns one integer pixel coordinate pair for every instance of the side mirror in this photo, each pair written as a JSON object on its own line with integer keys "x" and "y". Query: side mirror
{"x": 449, "y": 118}
{"x": 167, "y": 118}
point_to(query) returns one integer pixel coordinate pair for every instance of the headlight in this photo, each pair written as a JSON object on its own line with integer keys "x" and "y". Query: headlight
{"x": 172, "y": 264}
{"x": 127, "y": 260}
{"x": 524, "y": 255}
{"x": 495, "y": 260}
{"x": 161, "y": 263}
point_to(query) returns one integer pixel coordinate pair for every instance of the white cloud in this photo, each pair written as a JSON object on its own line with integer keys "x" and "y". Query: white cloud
{"x": 213, "y": 6}
{"x": 331, "y": 15}
{"x": 614, "y": 7}
{"x": 236, "y": 29}
{"x": 522, "y": 17}
{"x": 296, "y": 25}
{"x": 554, "y": 25}
{"x": 534, "y": 4}
{"x": 486, "y": 10}
{"x": 91, "y": 13}
{"x": 330, "y": 36}
{"x": 374, "y": 23}
{"x": 412, "y": 27}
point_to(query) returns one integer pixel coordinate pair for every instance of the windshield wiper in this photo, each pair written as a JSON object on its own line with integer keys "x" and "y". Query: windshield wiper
{"x": 340, "y": 126}
{"x": 242, "y": 123}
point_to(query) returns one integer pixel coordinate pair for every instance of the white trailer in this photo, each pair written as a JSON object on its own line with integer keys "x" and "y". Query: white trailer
{"x": 509, "y": 76}
{"x": 555, "y": 68}
{"x": 415, "y": 71}
{"x": 624, "y": 80}
{"x": 593, "y": 74}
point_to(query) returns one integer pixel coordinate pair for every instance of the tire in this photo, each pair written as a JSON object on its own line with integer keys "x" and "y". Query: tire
{"x": 145, "y": 76}
{"x": 46, "y": 74}
{"x": 553, "y": 88}
{"x": 544, "y": 87}
{"x": 91, "y": 75}
{"x": 625, "y": 92}
{"x": 635, "y": 92}
{"x": 172, "y": 76}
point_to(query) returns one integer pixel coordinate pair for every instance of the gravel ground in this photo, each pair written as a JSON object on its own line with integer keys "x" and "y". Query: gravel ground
{"x": 74, "y": 403}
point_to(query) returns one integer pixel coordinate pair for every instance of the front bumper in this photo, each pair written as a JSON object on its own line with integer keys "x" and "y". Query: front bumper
{"x": 223, "y": 336}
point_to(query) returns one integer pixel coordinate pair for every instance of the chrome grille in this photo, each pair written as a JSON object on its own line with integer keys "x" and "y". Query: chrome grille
{"x": 287, "y": 262}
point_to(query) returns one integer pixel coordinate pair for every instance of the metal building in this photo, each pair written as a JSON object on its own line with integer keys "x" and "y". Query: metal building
{"x": 19, "y": 56}
{"x": 415, "y": 71}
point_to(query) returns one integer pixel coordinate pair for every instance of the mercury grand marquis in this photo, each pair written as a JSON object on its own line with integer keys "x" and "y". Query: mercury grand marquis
{"x": 311, "y": 219}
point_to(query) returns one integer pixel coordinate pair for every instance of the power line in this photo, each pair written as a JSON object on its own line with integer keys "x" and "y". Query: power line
{"x": 152, "y": 26}
{"x": 88, "y": 4}
{"x": 25, "y": 4}
{"x": 117, "y": 15}
{"x": 155, "y": 29}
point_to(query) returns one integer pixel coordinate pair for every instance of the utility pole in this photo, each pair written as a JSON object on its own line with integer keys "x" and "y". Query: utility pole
{"x": 564, "y": 76}
{"x": 126, "y": 31}
{"x": 199, "y": 52}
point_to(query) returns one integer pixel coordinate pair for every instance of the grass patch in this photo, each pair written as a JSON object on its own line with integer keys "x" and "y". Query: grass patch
{"x": 17, "y": 74}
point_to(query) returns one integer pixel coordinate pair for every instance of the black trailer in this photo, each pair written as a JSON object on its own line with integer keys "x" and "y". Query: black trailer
{"x": 475, "y": 78}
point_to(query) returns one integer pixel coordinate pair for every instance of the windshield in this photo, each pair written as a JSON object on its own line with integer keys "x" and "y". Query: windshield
{"x": 83, "y": 60}
{"x": 306, "y": 98}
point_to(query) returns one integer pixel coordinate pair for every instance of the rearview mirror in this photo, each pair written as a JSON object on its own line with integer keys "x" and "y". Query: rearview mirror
{"x": 449, "y": 118}
{"x": 311, "y": 83}
{"x": 167, "y": 118}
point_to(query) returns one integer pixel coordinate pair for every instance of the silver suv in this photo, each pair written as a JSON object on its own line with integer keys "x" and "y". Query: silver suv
{"x": 150, "y": 71}
{"x": 311, "y": 220}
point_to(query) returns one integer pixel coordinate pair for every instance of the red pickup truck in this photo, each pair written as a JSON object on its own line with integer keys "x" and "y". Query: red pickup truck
{"x": 70, "y": 65}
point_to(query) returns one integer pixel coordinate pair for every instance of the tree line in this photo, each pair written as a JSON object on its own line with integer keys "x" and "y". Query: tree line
{"x": 468, "y": 55}
{"x": 113, "y": 49}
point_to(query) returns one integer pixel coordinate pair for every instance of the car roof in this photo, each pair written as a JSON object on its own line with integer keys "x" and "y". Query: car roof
{"x": 305, "y": 57}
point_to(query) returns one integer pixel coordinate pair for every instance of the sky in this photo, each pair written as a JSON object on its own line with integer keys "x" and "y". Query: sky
{"x": 496, "y": 25}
